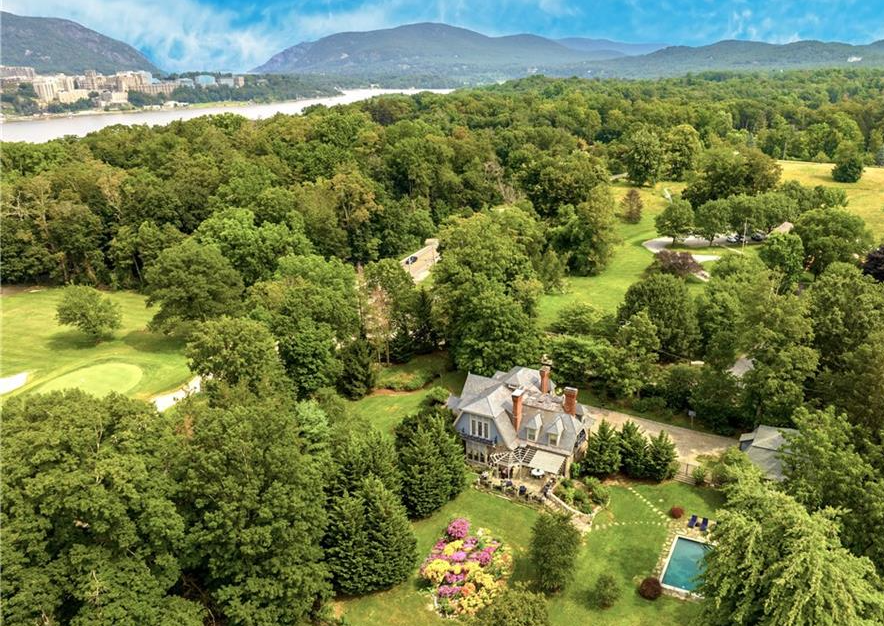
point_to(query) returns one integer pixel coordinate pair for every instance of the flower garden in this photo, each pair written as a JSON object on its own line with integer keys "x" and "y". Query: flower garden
{"x": 466, "y": 571}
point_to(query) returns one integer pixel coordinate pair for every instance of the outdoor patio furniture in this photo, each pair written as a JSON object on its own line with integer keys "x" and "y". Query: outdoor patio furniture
{"x": 523, "y": 490}
{"x": 704, "y": 524}
{"x": 536, "y": 472}
{"x": 692, "y": 522}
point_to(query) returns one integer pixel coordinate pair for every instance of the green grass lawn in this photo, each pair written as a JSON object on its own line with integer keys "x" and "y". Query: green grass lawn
{"x": 384, "y": 408}
{"x": 417, "y": 373}
{"x": 135, "y": 362}
{"x": 629, "y": 551}
{"x": 866, "y": 197}
{"x": 606, "y": 291}
{"x": 630, "y": 259}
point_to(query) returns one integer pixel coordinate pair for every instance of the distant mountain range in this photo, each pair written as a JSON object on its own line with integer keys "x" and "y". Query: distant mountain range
{"x": 50, "y": 44}
{"x": 430, "y": 50}
{"x": 437, "y": 54}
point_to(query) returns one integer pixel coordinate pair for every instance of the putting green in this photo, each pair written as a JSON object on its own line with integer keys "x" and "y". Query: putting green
{"x": 98, "y": 380}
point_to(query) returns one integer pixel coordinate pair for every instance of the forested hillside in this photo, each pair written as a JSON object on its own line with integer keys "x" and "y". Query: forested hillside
{"x": 55, "y": 45}
{"x": 272, "y": 249}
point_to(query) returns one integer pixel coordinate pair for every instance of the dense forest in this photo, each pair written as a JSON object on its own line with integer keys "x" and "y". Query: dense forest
{"x": 272, "y": 246}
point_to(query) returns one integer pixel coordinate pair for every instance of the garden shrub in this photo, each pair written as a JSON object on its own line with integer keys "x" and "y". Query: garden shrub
{"x": 650, "y": 589}
{"x": 651, "y": 404}
{"x": 676, "y": 512}
{"x": 598, "y": 493}
{"x": 699, "y": 476}
{"x": 606, "y": 591}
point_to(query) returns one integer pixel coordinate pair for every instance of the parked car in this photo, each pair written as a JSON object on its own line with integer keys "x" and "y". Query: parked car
{"x": 735, "y": 239}
{"x": 758, "y": 236}
{"x": 411, "y": 259}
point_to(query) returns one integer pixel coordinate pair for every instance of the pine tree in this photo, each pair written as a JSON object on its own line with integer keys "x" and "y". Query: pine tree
{"x": 602, "y": 452}
{"x": 423, "y": 334}
{"x": 359, "y": 451}
{"x": 369, "y": 544}
{"x": 358, "y": 376}
{"x": 631, "y": 206}
{"x": 430, "y": 462}
{"x": 661, "y": 457}
{"x": 633, "y": 450}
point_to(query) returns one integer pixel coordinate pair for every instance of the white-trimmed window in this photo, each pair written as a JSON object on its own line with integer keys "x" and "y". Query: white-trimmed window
{"x": 480, "y": 428}
{"x": 476, "y": 453}
{"x": 531, "y": 434}
{"x": 553, "y": 439}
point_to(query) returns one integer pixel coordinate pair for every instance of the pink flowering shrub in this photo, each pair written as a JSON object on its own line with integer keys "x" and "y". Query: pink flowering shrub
{"x": 458, "y": 528}
{"x": 466, "y": 572}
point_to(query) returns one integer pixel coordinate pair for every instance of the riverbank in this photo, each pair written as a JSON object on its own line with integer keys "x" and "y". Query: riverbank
{"x": 39, "y": 130}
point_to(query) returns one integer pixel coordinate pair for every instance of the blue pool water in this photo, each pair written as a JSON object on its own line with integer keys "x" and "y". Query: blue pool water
{"x": 685, "y": 564}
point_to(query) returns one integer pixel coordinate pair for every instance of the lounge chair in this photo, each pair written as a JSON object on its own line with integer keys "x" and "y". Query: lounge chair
{"x": 704, "y": 524}
{"x": 692, "y": 522}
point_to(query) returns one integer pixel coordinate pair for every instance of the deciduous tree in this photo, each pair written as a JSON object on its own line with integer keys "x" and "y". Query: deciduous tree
{"x": 88, "y": 310}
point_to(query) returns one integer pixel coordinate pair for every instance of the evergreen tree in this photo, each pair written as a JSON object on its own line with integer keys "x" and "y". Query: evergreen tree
{"x": 661, "y": 457}
{"x": 358, "y": 374}
{"x": 555, "y": 543}
{"x": 602, "y": 452}
{"x": 874, "y": 264}
{"x": 369, "y": 544}
{"x": 631, "y": 206}
{"x": 431, "y": 461}
{"x": 633, "y": 450}
{"x": 358, "y": 451}
{"x": 423, "y": 335}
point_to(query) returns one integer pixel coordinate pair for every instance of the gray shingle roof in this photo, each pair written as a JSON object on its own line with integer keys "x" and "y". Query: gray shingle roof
{"x": 492, "y": 397}
{"x": 762, "y": 446}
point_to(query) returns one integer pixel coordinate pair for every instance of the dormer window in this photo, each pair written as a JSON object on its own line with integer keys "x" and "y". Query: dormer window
{"x": 531, "y": 434}
{"x": 553, "y": 439}
{"x": 479, "y": 428}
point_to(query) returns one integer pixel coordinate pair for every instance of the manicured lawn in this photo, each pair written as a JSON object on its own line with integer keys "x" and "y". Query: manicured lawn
{"x": 630, "y": 259}
{"x": 135, "y": 362}
{"x": 406, "y": 604}
{"x": 866, "y": 197}
{"x": 629, "y": 550}
{"x": 606, "y": 291}
{"x": 385, "y": 409}
{"x": 417, "y": 373}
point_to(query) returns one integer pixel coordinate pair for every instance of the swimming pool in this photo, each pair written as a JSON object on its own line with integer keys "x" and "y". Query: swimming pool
{"x": 685, "y": 564}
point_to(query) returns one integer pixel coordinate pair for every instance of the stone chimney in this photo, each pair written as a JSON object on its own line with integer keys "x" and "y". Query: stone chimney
{"x": 570, "y": 404}
{"x": 517, "y": 409}
{"x": 544, "y": 379}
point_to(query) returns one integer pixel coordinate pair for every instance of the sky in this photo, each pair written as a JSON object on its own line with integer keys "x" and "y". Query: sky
{"x": 238, "y": 35}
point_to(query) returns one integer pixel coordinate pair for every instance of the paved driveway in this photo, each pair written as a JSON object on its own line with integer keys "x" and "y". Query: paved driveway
{"x": 426, "y": 259}
{"x": 690, "y": 444}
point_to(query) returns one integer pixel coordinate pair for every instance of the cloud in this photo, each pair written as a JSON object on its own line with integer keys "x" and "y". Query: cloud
{"x": 189, "y": 35}
{"x": 241, "y": 34}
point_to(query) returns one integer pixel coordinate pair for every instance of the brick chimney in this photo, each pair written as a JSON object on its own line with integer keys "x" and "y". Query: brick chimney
{"x": 517, "y": 409}
{"x": 570, "y": 404}
{"x": 544, "y": 379}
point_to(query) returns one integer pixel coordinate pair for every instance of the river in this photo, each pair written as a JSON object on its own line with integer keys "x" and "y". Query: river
{"x": 44, "y": 129}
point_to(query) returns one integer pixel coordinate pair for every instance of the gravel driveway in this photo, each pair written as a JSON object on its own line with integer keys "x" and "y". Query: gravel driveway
{"x": 690, "y": 444}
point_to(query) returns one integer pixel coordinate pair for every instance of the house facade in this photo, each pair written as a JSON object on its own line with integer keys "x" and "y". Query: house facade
{"x": 515, "y": 421}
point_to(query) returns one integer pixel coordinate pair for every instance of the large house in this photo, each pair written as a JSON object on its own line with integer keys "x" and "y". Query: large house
{"x": 515, "y": 420}
{"x": 762, "y": 446}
